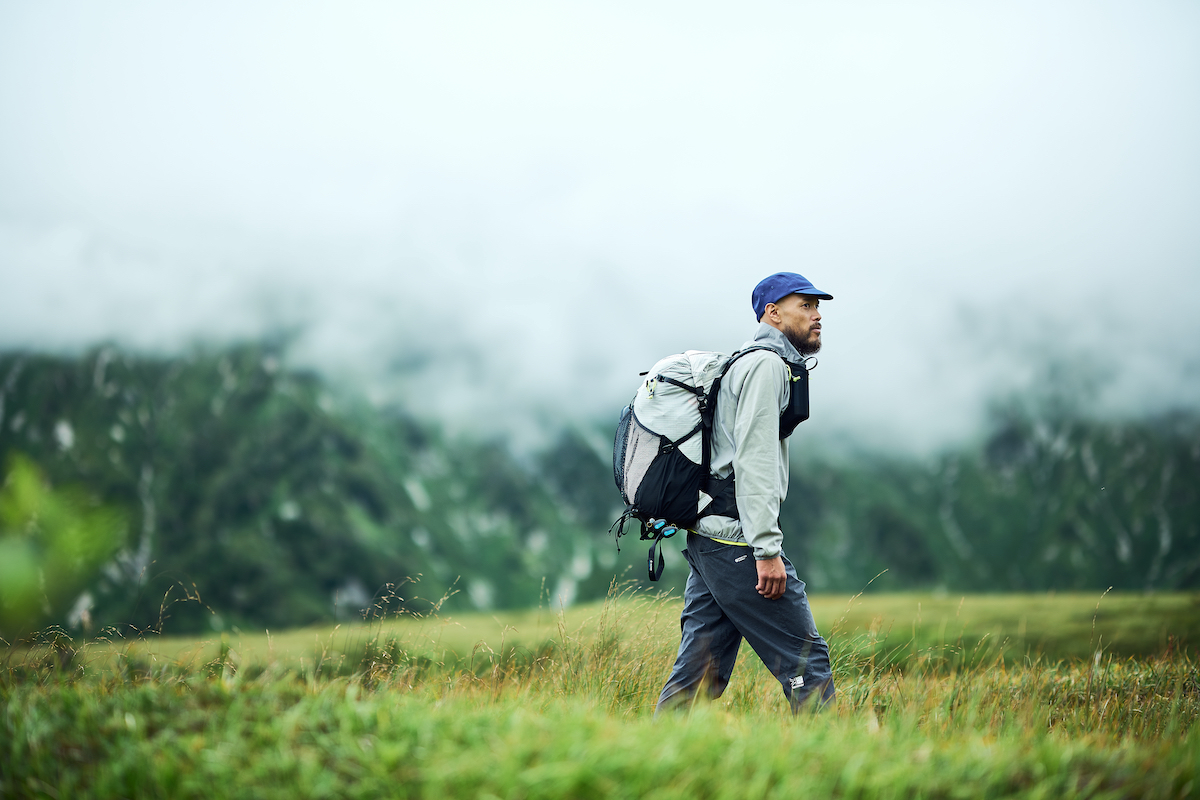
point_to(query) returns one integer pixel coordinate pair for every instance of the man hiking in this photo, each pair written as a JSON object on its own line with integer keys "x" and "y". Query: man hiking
{"x": 741, "y": 585}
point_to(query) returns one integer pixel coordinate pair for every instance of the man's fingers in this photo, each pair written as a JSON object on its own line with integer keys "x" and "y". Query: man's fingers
{"x": 772, "y": 579}
{"x": 772, "y": 588}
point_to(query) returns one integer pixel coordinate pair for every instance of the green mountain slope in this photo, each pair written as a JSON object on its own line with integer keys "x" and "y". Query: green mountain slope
{"x": 269, "y": 499}
{"x": 250, "y": 487}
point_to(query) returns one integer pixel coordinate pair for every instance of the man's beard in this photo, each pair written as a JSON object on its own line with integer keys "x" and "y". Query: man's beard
{"x": 806, "y": 345}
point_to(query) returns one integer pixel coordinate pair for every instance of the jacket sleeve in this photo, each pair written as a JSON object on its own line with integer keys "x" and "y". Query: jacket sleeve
{"x": 757, "y": 453}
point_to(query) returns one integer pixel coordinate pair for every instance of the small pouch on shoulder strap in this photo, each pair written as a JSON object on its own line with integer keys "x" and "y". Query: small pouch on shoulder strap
{"x": 797, "y": 409}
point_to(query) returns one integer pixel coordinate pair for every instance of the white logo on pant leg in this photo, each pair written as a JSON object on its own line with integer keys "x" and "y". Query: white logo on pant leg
{"x": 739, "y": 559}
{"x": 797, "y": 681}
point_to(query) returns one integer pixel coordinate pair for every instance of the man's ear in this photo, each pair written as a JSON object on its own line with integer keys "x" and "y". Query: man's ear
{"x": 770, "y": 311}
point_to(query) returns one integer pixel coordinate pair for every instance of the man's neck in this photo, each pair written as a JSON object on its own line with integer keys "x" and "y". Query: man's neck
{"x": 776, "y": 339}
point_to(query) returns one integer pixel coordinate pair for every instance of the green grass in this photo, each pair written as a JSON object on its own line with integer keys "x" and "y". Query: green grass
{"x": 895, "y": 627}
{"x": 970, "y": 697}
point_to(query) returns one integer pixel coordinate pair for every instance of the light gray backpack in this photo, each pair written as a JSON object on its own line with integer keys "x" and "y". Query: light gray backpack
{"x": 663, "y": 446}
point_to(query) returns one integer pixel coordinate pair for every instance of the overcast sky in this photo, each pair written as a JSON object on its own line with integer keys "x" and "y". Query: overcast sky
{"x": 502, "y": 212}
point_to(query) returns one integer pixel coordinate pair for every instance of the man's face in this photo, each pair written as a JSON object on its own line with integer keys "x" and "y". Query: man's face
{"x": 798, "y": 316}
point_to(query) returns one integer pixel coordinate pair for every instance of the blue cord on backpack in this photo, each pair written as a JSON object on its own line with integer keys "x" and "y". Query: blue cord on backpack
{"x": 662, "y": 531}
{"x": 661, "y": 526}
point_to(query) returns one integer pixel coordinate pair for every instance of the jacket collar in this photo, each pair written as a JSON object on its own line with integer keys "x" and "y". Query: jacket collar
{"x": 774, "y": 339}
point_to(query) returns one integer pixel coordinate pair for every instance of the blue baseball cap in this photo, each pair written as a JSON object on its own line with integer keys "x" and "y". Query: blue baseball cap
{"x": 774, "y": 288}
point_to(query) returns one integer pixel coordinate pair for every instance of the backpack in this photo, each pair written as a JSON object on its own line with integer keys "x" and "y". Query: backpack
{"x": 663, "y": 446}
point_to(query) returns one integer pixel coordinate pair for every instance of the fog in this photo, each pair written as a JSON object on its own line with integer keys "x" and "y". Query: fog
{"x": 498, "y": 214}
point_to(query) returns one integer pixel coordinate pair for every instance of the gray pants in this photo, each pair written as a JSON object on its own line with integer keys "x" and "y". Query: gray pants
{"x": 721, "y": 607}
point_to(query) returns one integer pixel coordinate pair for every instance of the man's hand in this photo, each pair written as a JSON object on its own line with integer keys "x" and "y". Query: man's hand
{"x": 772, "y": 578}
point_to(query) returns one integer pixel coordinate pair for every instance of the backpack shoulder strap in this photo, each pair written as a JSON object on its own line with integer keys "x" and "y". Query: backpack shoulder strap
{"x": 708, "y": 404}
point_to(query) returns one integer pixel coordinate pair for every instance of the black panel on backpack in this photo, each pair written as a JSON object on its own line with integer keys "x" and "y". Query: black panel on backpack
{"x": 670, "y": 488}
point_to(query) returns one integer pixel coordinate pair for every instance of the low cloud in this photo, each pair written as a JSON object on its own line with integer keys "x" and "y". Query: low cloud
{"x": 500, "y": 218}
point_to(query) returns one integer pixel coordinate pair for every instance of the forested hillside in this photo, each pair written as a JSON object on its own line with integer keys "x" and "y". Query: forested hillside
{"x": 254, "y": 488}
{"x": 271, "y": 500}
{"x": 1048, "y": 501}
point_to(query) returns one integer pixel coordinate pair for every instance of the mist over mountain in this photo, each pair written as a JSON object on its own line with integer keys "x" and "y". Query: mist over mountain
{"x": 521, "y": 355}
{"x": 498, "y": 217}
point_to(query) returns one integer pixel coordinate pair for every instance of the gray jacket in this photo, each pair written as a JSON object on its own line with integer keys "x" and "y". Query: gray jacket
{"x": 754, "y": 393}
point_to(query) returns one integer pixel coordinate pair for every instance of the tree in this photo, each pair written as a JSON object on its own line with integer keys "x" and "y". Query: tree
{"x": 51, "y": 544}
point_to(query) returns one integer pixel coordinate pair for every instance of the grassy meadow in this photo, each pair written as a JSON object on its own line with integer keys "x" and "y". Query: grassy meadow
{"x": 939, "y": 696}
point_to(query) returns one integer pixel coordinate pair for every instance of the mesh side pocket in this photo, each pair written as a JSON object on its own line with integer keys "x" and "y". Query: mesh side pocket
{"x": 620, "y": 442}
{"x": 640, "y": 448}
